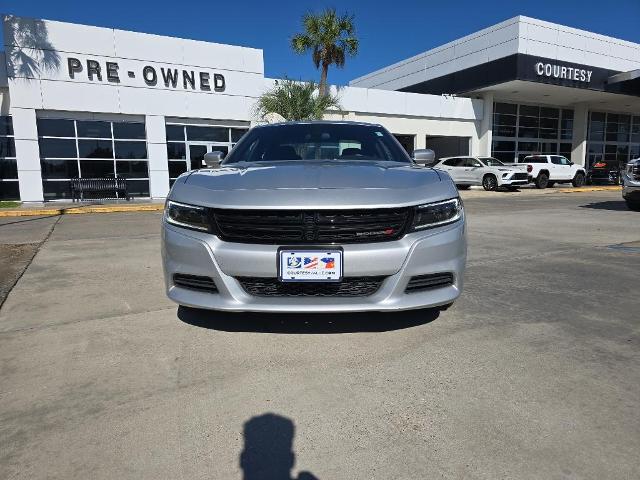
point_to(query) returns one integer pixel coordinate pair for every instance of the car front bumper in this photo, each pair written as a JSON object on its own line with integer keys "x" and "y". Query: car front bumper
{"x": 438, "y": 250}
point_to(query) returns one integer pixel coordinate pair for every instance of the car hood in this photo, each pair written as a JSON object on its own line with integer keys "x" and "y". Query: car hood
{"x": 310, "y": 184}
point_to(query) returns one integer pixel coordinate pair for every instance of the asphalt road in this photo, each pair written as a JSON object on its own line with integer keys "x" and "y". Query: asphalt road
{"x": 534, "y": 373}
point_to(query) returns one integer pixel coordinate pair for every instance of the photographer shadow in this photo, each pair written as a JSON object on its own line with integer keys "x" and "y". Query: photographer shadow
{"x": 310, "y": 323}
{"x": 268, "y": 449}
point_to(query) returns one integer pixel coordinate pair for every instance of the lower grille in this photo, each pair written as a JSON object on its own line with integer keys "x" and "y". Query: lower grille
{"x": 348, "y": 287}
{"x": 427, "y": 282}
{"x": 195, "y": 282}
{"x": 520, "y": 176}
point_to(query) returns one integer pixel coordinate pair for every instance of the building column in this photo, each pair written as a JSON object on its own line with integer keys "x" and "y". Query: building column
{"x": 157, "y": 154}
{"x": 486, "y": 125}
{"x": 25, "y": 134}
{"x": 580, "y": 128}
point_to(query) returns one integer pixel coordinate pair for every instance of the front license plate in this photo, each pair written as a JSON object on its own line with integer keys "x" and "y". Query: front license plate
{"x": 310, "y": 265}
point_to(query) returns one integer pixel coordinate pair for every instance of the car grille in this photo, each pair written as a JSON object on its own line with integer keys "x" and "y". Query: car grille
{"x": 427, "y": 282}
{"x": 308, "y": 227}
{"x": 195, "y": 282}
{"x": 348, "y": 287}
{"x": 520, "y": 176}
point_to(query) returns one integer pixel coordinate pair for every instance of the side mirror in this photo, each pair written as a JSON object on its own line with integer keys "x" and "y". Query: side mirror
{"x": 424, "y": 156}
{"x": 213, "y": 159}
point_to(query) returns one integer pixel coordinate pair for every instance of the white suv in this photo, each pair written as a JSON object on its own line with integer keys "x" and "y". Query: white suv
{"x": 546, "y": 170}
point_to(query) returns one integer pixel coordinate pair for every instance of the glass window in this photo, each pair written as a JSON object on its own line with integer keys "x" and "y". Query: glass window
{"x": 503, "y": 119}
{"x": 6, "y": 125}
{"x": 96, "y": 168}
{"x": 7, "y": 147}
{"x": 529, "y": 111}
{"x": 56, "y": 189}
{"x": 565, "y": 149}
{"x": 57, "y": 148}
{"x": 175, "y": 132}
{"x": 59, "y": 168}
{"x": 177, "y": 168}
{"x": 502, "y": 131}
{"x": 505, "y": 157}
{"x": 508, "y": 108}
{"x": 503, "y": 145}
{"x": 132, "y": 169}
{"x": 547, "y": 112}
{"x": 176, "y": 151}
{"x": 95, "y": 149}
{"x": 138, "y": 188}
{"x": 237, "y": 133}
{"x": 9, "y": 191}
{"x": 129, "y": 130}
{"x": 130, "y": 149}
{"x": 94, "y": 129}
{"x": 528, "y": 146}
{"x": 207, "y": 134}
{"x": 8, "y": 169}
{"x": 528, "y": 132}
{"x": 48, "y": 127}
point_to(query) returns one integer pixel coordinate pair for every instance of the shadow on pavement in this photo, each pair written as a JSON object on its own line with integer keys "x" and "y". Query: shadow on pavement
{"x": 306, "y": 323}
{"x": 268, "y": 449}
{"x": 618, "y": 205}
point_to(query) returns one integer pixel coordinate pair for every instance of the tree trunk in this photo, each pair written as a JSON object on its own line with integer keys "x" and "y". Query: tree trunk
{"x": 323, "y": 79}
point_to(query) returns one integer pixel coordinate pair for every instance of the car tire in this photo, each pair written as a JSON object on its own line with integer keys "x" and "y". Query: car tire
{"x": 489, "y": 182}
{"x": 463, "y": 187}
{"x": 635, "y": 206}
{"x": 578, "y": 180}
{"x": 542, "y": 180}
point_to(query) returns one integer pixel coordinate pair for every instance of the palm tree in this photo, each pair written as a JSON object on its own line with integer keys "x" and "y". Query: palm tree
{"x": 330, "y": 38}
{"x": 294, "y": 101}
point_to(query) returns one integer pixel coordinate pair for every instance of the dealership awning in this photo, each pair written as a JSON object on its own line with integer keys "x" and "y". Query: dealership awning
{"x": 626, "y": 82}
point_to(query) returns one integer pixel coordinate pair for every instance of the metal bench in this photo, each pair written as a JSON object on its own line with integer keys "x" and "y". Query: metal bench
{"x": 99, "y": 188}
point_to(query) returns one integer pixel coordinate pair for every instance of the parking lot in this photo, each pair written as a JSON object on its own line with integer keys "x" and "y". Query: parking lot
{"x": 533, "y": 373}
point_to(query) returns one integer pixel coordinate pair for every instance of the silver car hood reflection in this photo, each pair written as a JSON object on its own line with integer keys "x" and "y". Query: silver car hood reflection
{"x": 313, "y": 184}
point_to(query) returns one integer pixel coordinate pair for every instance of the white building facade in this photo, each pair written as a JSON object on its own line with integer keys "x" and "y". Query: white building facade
{"x": 83, "y": 101}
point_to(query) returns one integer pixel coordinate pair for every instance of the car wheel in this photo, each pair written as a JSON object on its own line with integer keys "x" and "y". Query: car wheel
{"x": 489, "y": 182}
{"x": 578, "y": 180}
{"x": 463, "y": 187}
{"x": 635, "y": 206}
{"x": 542, "y": 181}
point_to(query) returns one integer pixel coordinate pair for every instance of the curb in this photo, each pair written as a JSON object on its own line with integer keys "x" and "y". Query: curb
{"x": 37, "y": 212}
{"x": 605, "y": 188}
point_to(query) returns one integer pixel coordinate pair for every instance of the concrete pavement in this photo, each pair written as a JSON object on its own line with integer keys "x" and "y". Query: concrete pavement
{"x": 534, "y": 373}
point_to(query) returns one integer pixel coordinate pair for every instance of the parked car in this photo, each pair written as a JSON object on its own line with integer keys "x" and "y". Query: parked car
{"x": 489, "y": 172}
{"x": 547, "y": 170}
{"x": 604, "y": 171}
{"x": 631, "y": 184}
{"x": 314, "y": 217}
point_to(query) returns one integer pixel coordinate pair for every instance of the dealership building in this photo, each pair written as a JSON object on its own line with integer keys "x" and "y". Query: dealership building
{"x": 84, "y": 101}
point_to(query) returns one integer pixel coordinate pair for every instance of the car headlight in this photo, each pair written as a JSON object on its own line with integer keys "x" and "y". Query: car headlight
{"x": 437, "y": 214}
{"x": 187, "y": 216}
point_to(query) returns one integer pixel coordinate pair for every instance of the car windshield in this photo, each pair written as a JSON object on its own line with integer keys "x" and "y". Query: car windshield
{"x": 491, "y": 162}
{"x": 317, "y": 141}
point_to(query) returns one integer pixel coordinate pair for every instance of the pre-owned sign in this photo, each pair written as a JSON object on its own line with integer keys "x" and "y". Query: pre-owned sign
{"x": 152, "y": 75}
{"x": 563, "y": 72}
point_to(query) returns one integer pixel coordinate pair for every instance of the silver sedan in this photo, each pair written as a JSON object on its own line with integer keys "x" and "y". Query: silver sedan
{"x": 489, "y": 172}
{"x": 314, "y": 217}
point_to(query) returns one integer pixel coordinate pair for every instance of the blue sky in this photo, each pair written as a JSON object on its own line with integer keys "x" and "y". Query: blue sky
{"x": 388, "y": 31}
